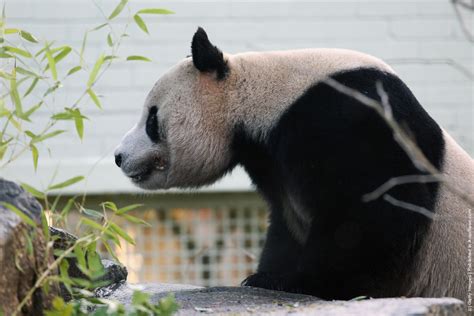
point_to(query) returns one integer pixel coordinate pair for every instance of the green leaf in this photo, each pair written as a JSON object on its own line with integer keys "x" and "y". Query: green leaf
{"x": 62, "y": 54}
{"x": 31, "y": 87}
{"x": 33, "y": 109}
{"x": 92, "y": 224}
{"x": 81, "y": 257}
{"x": 94, "y": 98}
{"x": 35, "y": 155}
{"x": 52, "y": 64}
{"x": 26, "y": 72}
{"x": 155, "y": 11}
{"x": 43, "y": 137}
{"x": 79, "y": 123}
{"x": 25, "y": 218}
{"x": 109, "y": 40}
{"x": 118, "y": 9}
{"x": 99, "y": 27}
{"x": 66, "y": 183}
{"x": 140, "y": 298}
{"x": 110, "y": 57}
{"x": 35, "y": 192}
{"x": 95, "y": 71}
{"x": 11, "y": 31}
{"x": 92, "y": 213}
{"x": 73, "y": 70}
{"x": 122, "y": 233}
{"x": 141, "y": 24}
{"x": 14, "y": 94}
{"x": 136, "y": 57}
{"x": 44, "y": 225}
{"x": 128, "y": 208}
{"x": 17, "y": 51}
{"x": 28, "y": 36}
{"x": 83, "y": 46}
{"x": 135, "y": 220}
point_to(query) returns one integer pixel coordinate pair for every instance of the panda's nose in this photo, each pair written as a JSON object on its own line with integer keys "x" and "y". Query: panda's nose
{"x": 118, "y": 159}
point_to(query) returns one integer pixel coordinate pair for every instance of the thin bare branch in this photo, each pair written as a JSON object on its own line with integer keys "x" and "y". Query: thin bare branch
{"x": 411, "y": 207}
{"x": 403, "y": 139}
{"x": 465, "y": 71}
{"x": 464, "y": 26}
{"x": 393, "y": 182}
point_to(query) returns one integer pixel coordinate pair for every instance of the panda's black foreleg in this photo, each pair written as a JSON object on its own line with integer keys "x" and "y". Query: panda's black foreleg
{"x": 278, "y": 266}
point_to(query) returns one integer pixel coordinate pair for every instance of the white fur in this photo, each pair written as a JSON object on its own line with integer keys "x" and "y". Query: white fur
{"x": 199, "y": 112}
{"x": 442, "y": 262}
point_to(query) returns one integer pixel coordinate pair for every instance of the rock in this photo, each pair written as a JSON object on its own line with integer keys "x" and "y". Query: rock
{"x": 114, "y": 272}
{"x": 22, "y": 252}
{"x": 253, "y": 301}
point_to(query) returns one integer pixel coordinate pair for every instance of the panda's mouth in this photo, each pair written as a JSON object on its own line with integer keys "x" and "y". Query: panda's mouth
{"x": 159, "y": 165}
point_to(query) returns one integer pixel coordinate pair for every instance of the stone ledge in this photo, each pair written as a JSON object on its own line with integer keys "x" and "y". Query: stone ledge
{"x": 253, "y": 301}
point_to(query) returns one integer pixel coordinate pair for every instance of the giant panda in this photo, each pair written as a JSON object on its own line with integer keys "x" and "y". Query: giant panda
{"x": 312, "y": 153}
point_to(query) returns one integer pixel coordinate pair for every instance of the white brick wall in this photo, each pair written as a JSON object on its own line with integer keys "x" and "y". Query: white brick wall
{"x": 403, "y": 32}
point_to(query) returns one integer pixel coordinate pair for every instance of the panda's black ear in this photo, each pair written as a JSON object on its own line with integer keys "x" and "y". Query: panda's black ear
{"x": 206, "y": 56}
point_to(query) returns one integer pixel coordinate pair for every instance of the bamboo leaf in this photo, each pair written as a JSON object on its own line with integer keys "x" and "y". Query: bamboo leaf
{"x": 95, "y": 71}
{"x": 11, "y": 31}
{"x": 66, "y": 183}
{"x": 14, "y": 94}
{"x": 109, "y": 40}
{"x": 128, "y": 208}
{"x": 155, "y": 11}
{"x": 141, "y": 24}
{"x": 73, "y": 70}
{"x": 122, "y": 233}
{"x": 33, "y": 191}
{"x": 35, "y": 155}
{"x": 118, "y": 9}
{"x": 41, "y": 138}
{"x": 135, "y": 220}
{"x": 25, "y": 218}
{"x": 79, "y": 123}
{"x": 94, "y": 98}
{"x": 31, "y": 87}
{"x": 98, "y": 27}
{"x": 62, "y": 54}
{"x": 32, "y": 110}
{"x": 137, "y": 57}
{"x": 26, "y": 72}
{"x": 17, "y": 51}
{"x": 28, "y": 36}
{"x": 52, "y": 64}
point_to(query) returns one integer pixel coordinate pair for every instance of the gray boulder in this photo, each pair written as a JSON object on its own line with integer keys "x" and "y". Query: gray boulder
{"x": 254, "y": 301}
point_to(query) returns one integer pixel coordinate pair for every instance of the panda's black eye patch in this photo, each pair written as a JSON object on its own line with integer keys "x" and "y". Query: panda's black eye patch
{"x": 152, "y": 125}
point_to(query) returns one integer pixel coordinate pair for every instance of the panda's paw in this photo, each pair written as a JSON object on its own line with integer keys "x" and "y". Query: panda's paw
{"x": 272, "y": 282}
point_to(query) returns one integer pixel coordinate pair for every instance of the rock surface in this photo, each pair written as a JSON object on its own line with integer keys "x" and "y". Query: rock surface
{"x": 22, "y": 252}
{"x": 253, "y": 301}
{"x": 114, "y": 272}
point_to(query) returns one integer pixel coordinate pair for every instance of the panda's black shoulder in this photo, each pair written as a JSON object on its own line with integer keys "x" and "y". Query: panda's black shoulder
{"x": 321, "y": 113}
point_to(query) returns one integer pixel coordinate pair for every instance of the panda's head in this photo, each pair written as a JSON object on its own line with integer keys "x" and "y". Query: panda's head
{"x": 183, "y": 137}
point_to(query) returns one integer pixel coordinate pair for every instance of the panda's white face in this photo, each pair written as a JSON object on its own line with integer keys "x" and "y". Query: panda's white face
{"x": 183, "y": 138}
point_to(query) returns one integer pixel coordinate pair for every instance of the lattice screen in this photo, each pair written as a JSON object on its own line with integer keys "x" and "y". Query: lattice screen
{"x": 206, "y": 246}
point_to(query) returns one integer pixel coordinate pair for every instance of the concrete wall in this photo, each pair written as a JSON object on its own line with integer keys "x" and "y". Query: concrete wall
{"x": 421, "y": 39}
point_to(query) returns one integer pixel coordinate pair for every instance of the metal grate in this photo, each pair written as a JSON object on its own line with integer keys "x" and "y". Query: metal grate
{"x": 208, "y": 246}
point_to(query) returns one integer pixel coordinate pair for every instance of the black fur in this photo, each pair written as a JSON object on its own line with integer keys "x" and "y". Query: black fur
{"x": 152, "y": 125}
{"x": 326, "y": 151}
{"x": 207, "y": 57}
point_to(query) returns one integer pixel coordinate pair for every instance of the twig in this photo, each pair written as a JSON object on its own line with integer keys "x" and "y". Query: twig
{"x": 403, "y": 139}
{"x": 393, "y": 182}
{"x": 465, "y": 28}
{"x": 411, "y": 207}
{"x": 434, "y": 61}
{"x": 45, "y": 274}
